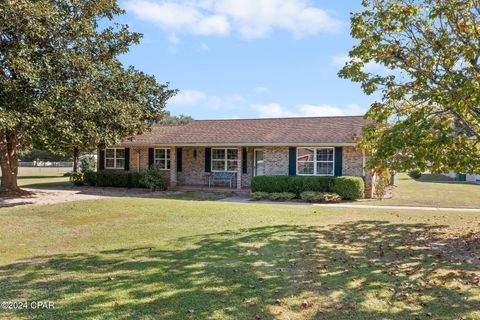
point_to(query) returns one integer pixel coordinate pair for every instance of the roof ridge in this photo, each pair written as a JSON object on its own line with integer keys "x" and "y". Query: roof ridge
{"x": 283, "y": 118}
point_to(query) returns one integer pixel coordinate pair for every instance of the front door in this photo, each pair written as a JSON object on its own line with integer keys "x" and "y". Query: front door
{"x": 258, "y": 163}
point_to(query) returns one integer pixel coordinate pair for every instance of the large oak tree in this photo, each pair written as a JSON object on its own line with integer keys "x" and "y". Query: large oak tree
{"x": 62, "y": 84}
{"x": 429, "y": 112}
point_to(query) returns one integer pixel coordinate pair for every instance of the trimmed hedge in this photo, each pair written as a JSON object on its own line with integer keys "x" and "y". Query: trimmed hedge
{"x": 122, "y": 179}
{"x": 90, "y": 178}
{"x": 293, "y": 184}
{"x": 135, "y": 180}
{"x": 349, "y": 188}
{"x": 112, "y": 179}
{"x": 345, "y": 187}
{"x": 415, "y": 174}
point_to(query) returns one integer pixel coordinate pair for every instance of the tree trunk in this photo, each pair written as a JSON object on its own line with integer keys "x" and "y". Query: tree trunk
{"x": 8, "y": 161}
{"x": 76, "y": 159}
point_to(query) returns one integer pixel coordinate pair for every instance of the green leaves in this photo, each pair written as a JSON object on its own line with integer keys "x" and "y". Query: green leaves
{"x": 430, "y": 83}
{"x": 61, "y": 82}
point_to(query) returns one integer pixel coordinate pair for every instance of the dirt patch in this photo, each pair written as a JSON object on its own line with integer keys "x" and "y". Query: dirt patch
{"x": 46, "y": 196}
{"x": 49, "y": 196}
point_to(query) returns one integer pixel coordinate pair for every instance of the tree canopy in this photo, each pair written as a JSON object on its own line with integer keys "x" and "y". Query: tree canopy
{"x": 62, "y": 84}
{"x": 180, "y": 119}
{"x": 428, "y": 55}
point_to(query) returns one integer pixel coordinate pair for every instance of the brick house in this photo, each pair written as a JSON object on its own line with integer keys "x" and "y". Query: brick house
{"x": 189, "y": 154}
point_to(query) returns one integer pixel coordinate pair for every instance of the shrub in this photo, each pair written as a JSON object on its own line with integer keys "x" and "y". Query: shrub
{"x": 134, "y": 181}
{"x": 312, "y": 196}
{"x": 152, "y": 178}
{"x": 345, "y": 187}
{"x": 88, "y": 163}
{"x": 415, "y": 174}
{"x": 112, "y": 179}
{"x": 76, "y": 178}
{"x": 259, "y": 195}
{"x": 90, "y": 178}
{"x": 317, "y": 197}
{"x": 350, "y": 188}
{"x": 292, "y": 184}
{"x": 281, "y": 196}
{"x": 331, "y": 197}
{"x": 68, "y": 174}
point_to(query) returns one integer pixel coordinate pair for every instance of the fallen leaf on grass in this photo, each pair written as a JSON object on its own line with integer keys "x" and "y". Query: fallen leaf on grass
{"x": 306, "y": 304}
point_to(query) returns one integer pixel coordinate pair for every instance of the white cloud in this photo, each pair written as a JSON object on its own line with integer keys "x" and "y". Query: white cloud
{"x": 173, "y": 38}
{"x": 203, "y": 47}
{"x": 249, "y": 18}
{"x": 261, "y": 89}
{"x": 194, "y": 98}
{"x": 274, "y": 110}
{"x": 189, "y": 98}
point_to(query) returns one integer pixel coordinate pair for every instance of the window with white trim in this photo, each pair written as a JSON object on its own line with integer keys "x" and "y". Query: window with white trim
{"x": 224, "y": 159}
{"x": 162, "y": 158}
{"x": 115, "y": 158}
{"x": 315, "y": 161}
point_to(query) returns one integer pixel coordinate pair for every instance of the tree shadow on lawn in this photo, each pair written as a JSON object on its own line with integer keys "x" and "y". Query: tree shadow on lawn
{"x": 362, "y": 269}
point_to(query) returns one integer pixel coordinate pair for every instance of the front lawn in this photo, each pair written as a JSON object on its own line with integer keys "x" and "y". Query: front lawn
{"x": 432, "y": 191}
{"x": 128, "y": 258}
{"x": 43, "y": 177}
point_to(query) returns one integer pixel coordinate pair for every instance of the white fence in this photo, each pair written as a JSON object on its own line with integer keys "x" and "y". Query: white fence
{"x": 46, "y": 164}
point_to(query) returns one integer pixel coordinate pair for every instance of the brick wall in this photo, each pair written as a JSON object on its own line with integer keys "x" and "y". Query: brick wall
{"x": 134, "y": 155}
{"x": 275, "y": 161}
{"x": 352, "y": 162}
{"x": 141, "y": 153}
{"x": 193, "y": 168}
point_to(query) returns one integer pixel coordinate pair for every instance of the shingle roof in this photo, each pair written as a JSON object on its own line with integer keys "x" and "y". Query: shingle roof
{"x": 245, "y": 132}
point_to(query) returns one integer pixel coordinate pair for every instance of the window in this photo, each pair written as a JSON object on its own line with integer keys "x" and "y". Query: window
{"x": 315, "y": 161}
{"x": 162, "y": 158}
{"x": 115, "y": 158}
{"x": 224, "y": 159}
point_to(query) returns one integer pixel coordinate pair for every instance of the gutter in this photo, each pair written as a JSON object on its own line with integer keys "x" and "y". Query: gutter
{"x": 153, "y": 145}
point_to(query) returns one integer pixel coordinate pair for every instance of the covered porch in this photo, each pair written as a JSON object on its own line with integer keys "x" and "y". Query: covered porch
{"x": 205, "y": 168}
{"x": 216, "y": 169}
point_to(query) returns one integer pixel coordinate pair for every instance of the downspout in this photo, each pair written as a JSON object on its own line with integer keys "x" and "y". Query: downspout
{"x": 138, "y": 160}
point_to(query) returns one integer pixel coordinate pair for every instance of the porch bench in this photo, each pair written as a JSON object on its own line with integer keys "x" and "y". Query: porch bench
{"x": 226, "y": 177}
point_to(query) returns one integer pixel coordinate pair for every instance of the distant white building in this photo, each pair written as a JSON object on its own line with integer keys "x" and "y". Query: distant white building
{"x": 464, "y": 177}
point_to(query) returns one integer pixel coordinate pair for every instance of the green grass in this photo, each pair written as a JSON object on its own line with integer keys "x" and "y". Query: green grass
{"x": 43, "y": 177}
{"x": 432, "y": 191}
{"x": 197, "y": 196}
{"x": 129, "y": 258}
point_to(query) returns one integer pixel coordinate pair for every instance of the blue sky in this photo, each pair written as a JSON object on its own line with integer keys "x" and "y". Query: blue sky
{"x": 248, "y": 58}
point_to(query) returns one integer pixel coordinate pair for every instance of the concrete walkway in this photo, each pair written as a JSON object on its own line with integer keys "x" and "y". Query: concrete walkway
{"x": 360, "y": 206}
{"x": 346, "y": 205}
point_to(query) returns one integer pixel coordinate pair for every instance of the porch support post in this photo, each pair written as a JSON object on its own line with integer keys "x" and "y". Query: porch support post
{"x": 173, "y": 168}
{"x": 239, "y": 168}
